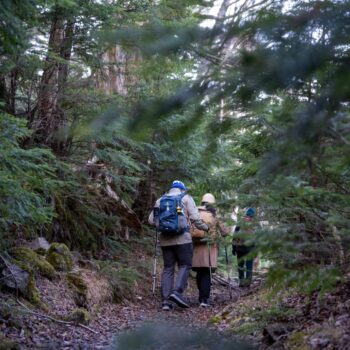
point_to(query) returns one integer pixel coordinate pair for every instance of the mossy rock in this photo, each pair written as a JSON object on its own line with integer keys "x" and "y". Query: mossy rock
{"x": 40, "y": 245}
{"x": 78, "y": 285}
{"x": 60, "y": 257}
{"x": 24, "y": 282}
{"x": 79, "y": 315}
{"x": 33, "y": 260}
{"x": 33, "y": 294}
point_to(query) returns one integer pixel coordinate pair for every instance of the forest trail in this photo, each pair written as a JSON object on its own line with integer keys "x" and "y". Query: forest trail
{"x": 290, "y": 321}
{"x": 111, "y": 320}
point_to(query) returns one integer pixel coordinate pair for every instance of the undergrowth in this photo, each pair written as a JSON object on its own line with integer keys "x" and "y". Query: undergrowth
{"x": 122, "y": 279}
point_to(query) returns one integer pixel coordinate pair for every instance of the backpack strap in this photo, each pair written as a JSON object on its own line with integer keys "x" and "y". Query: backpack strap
{"x": 180, "y": 197}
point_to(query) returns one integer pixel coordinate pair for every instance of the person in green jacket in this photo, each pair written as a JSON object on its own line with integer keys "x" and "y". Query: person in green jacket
{"x": 243, "y": 248}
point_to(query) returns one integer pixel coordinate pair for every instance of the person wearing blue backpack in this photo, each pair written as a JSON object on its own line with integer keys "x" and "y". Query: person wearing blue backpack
{"x": 172, "y": 215}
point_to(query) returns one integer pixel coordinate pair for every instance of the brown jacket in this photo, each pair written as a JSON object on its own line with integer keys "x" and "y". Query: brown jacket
{"x": 202, "y": 251}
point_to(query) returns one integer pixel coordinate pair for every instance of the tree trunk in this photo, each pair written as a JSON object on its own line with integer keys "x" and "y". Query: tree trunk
{"x": 43, "y": 124}
{"x": 116, "y": 75}
{"x": 12, "y": 93}
{"x": 3, "y": 93}
{"x": 62, "y": 142}
{"x": 8, "y": 88}
{"x": 51, "y": 118}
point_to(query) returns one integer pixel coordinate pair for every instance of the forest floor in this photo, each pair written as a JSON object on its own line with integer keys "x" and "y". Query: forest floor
{"x": 29, "y": 328}
{"x": 249, "y": 315}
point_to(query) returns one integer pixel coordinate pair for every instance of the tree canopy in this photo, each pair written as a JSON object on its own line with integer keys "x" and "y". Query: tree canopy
{"x": 104, "y": 103}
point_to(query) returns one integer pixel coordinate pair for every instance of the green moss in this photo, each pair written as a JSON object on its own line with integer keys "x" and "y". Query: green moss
{"x": 121, "y": 279}
{"x": 298, "y": 341}
{"x": 78, "y": 285}
{"x": 40, "y": 251}
{"x": 215, "y": 319}
{"x": 31, "y": 292}
{"x": 79, "y": 315}
{"x": 33, "y": 260}
{"x": 247, "y": 328}
{"x": 60, "y": 257}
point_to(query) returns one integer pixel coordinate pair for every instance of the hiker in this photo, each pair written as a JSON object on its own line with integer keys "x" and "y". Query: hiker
{"x": 176, "y": 247}
{"x": 205, "y": 248}
{"x": 243, "y": 248}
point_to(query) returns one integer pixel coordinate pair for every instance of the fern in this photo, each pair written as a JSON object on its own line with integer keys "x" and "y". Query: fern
{"x": 27, "y": 177}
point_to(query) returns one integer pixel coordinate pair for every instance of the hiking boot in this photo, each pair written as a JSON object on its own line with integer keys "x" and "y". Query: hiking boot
{"x": 167, "y": 306}
{"x": 179, "y": 300}
{"x": 245, "y": 283}
{"x": 204, "y": 304}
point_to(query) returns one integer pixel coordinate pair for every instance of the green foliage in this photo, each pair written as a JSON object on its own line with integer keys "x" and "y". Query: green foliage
{"x": 122, "y": 279}
{"x": 13, "y": 18}
{"x": 255, "y": 111}
{"x": 257, "y": 319}
{"x": 27, "y": 176}
{"x": 282, "y": 142}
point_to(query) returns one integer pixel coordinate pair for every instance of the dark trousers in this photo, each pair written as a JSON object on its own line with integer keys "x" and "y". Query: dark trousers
{"x": 203, "y": 283}
{"x": 182, "y": 256}
{"x": 245, "y": 262}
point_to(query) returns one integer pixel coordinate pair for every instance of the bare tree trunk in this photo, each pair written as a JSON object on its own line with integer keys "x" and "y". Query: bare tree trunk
{"x": 51, "y": 118}
{"x": 117, "y": 76}
{"x": 44, "y": 124}
{"x": 12, "y": 93}
{"x": 8, "y": 88}
{"x": 3, "y": 93}
{"x": 62, "y": 142}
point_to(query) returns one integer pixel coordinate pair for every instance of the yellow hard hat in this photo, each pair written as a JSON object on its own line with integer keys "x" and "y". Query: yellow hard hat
{"x": 208, "y": 198}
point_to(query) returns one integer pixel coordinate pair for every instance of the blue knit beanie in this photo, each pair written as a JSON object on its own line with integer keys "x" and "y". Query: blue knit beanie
{"x": 179, "y": 184}
{"x": 250, "y": 212}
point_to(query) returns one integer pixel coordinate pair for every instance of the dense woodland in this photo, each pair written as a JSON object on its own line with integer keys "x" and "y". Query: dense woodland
{"x": 104, "y": 103}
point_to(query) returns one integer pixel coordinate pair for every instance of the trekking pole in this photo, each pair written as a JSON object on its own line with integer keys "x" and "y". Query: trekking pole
{"x": 154, "y": 273}
{"x": 228, "y": 273}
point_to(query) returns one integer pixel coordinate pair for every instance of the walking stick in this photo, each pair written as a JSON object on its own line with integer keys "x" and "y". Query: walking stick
{"x": 228, "y": 274}
{"x": 154, "y": 273}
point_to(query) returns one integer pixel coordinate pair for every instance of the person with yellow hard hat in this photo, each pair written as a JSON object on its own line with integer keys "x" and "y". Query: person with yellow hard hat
{"x": 205, "y": 249}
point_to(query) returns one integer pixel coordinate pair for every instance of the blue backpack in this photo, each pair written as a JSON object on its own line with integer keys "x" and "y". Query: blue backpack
{"x": 172, "y": 219}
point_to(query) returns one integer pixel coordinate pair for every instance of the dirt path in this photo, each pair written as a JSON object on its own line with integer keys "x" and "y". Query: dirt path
{"x": 110, "y": 320}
